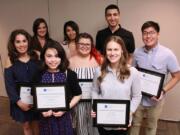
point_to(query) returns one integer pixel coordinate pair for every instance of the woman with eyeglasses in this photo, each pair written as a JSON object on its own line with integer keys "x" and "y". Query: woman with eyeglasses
{"x": 84, "y": 64}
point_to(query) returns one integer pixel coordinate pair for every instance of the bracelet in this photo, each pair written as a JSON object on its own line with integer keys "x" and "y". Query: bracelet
{"x": 164, "y": 92}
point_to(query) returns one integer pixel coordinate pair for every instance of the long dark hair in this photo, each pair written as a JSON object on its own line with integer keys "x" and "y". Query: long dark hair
{"x": 36, "y": 24}
{"x": 61, "y": 54}
{"x": 12, "y": 52}
{"x": 36, "y": 43}
{"x": 123, "y": 70}
{"x": 74, "y": 26}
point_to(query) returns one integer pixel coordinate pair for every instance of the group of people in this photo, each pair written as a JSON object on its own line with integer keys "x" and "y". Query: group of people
{"x": 111, "y": 64}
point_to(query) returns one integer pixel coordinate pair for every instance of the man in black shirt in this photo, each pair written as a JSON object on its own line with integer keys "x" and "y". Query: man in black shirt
{"x": 112, "y": 15}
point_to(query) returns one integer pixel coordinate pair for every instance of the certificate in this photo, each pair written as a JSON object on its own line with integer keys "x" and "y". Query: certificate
{"x": 50, "y": 96}
{"x": 25, "y": 93}
{"x": 111, "y": 113}
{"x": 86, "y": 87}
{"x": 151, "y": 82}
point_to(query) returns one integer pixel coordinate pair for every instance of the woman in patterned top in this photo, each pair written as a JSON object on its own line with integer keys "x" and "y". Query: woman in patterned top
{"x": 56, "y": 71}
{"x": 84, "y": 64}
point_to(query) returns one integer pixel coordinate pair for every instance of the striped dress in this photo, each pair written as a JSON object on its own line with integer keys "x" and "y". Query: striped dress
{"x": 81, "y": 115}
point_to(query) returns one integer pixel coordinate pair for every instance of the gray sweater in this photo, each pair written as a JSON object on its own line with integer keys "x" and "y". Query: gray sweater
{"x": 112, "y": 88}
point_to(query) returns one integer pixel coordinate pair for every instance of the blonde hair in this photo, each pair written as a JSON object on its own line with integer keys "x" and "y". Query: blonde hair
{"x": 123, "y": 70}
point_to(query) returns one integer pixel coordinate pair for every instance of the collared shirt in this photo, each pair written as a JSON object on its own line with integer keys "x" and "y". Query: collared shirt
{"x": 126, "y": 35}
{"x": 159, "y": 59}
{"x": 112, "y": 88}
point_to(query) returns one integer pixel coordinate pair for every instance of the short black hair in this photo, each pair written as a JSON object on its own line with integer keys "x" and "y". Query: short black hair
{"x": 153, "y": 24}
{"x": 111, "y": 6}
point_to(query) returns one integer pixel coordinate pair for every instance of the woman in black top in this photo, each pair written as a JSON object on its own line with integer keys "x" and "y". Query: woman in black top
{"x": 21, "y": 66}
{"x": 41, "y": 35}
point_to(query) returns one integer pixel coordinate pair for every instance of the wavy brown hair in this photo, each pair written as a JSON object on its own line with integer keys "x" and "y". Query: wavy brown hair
{"x": 12, "y": 52}
{"x": 35, "y": 41}
{"x": 123, "y": 71}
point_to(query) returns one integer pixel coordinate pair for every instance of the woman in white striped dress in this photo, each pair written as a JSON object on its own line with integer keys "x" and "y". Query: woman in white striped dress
{"x": 84, "y": 64}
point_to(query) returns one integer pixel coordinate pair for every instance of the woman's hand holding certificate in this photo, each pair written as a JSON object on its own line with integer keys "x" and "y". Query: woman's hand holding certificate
{"x": 58, "y": 114}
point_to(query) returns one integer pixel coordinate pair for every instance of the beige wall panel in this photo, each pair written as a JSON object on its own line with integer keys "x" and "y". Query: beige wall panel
{"x": 14, "y": 15}
{"x": 89, "y": 15}
{"x": 166, "y": 13}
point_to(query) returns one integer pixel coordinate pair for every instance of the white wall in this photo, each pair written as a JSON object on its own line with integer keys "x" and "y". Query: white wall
{"x": 89, "y": 14}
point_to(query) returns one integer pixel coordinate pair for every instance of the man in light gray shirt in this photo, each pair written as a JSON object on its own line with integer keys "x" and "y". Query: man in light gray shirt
{"x": 155, "y": 57}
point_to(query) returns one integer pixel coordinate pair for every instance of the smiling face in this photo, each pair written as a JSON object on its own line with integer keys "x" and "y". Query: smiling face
{"x": 150, "y": 37}
{"x": 21, "y": 44}
{"x": 52, "y": 59}
{"x": 71, "y": 33}
{"x": 42, "y": 30}
{"x": 112, "y": 17}
{"x": 113, "y": 52}
{"x": 84, "y": 46}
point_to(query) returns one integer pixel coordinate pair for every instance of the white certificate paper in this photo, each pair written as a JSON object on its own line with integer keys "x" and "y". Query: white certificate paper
{"x": 150, "y": 83}
{"x": 50, "y": 97}
{"x": 86, "y": 88}
{"x": 111, "y": 113}
{"x": 25, "y": 95}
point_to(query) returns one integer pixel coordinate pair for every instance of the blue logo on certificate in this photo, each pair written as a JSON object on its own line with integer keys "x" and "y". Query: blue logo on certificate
{"x": 105, "y": 106}
{"x": 45, "y": 90}
{"x": 28, "y": 89}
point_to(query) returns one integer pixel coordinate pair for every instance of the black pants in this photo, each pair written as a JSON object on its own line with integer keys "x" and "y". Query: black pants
{"x": 103, "y": 131}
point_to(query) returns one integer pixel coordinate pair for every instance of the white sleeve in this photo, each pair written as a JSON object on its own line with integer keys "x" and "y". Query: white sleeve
{"x": 95, "y": 86}
{"x": 135, "y": 91}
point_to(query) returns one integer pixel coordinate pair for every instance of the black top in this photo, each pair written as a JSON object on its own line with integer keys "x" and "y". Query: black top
{"x": 126, "y": 35}
{"x": 72, "y": 84}
{"x": 19, "y": 72}
{"x": 36, "y": 44}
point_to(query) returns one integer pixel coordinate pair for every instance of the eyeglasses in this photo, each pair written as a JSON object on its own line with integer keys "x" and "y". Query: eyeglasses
{"x": 83, "y": 44}
{"x": 150, "y": 33}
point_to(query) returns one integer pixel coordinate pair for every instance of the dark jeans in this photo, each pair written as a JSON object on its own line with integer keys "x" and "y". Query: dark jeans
{"x": 103, "y": 131}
